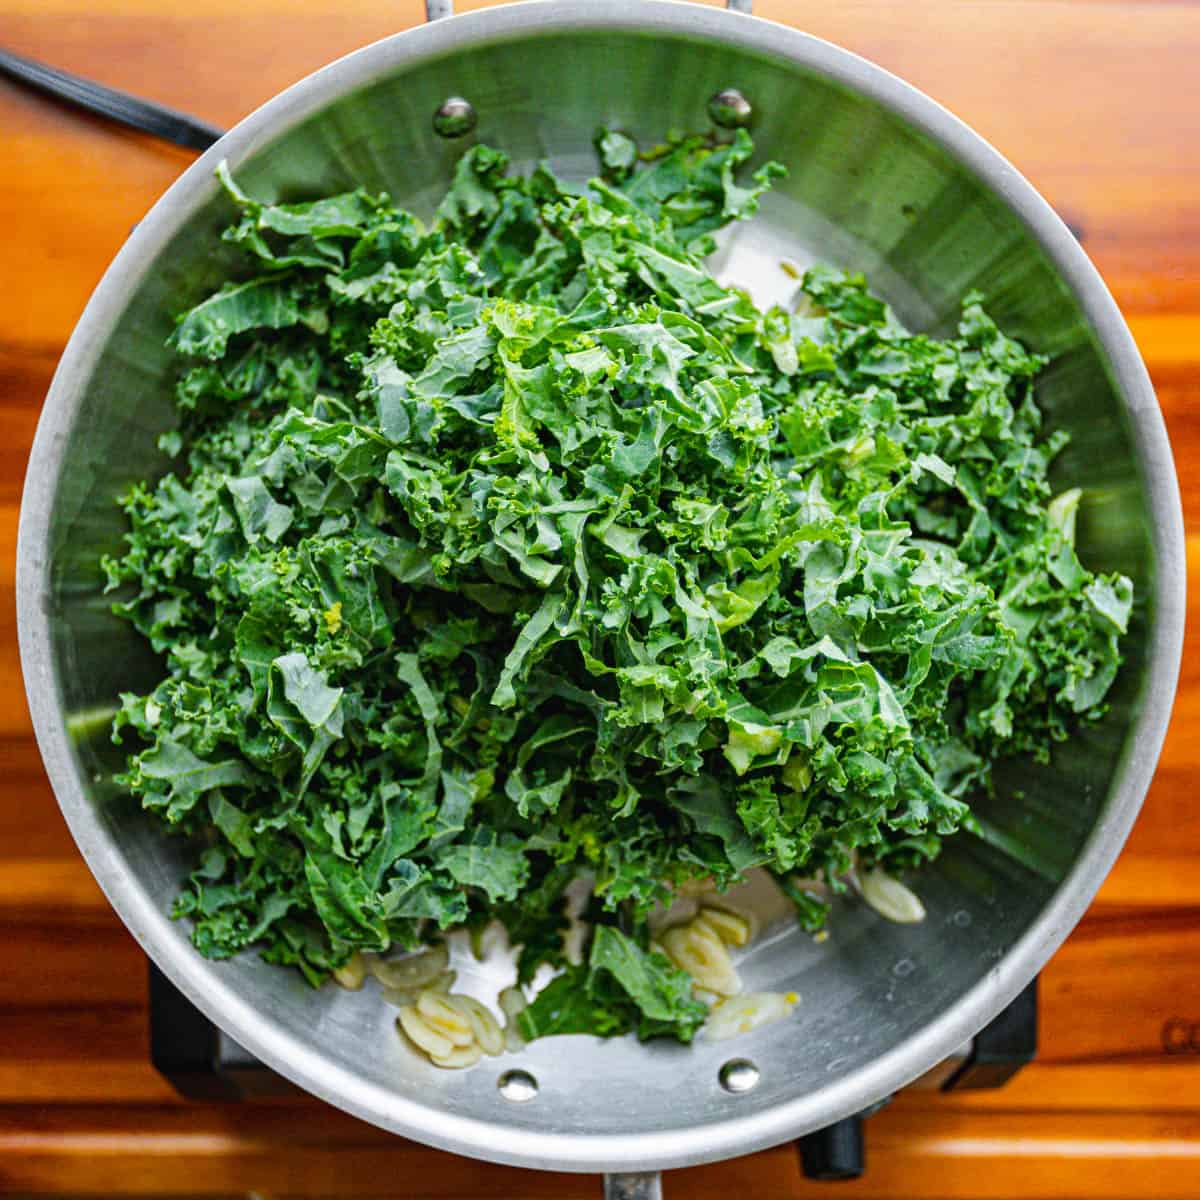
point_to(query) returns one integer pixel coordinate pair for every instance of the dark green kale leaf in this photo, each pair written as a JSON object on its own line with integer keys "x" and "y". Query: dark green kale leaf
{"x": 622, "y": 989}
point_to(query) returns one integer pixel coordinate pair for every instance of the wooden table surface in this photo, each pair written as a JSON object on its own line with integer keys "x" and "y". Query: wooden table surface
{"x": 1099, "y": 104}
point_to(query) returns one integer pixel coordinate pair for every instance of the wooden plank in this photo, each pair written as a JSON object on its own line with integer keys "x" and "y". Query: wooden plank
{"x": 46, "y": 886}
{"x": 110, "y": 1033}
{"x": 1168, "y": 341}
{"x": 96, "y": 1054}
{"x": 1116, "y": 982}
{"x": 1141, "y": 880}
{"x": 1169, "y": 1085}
{"x": 30, "y": 824}
{"x": 317, "y": 1152}
{"x": 72, "y": 963}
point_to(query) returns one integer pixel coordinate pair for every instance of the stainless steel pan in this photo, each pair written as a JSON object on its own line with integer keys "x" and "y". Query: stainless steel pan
{"x": 881, "y": 178}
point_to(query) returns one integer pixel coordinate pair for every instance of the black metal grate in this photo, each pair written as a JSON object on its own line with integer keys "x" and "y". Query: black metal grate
{"x": 203, "y": 1063}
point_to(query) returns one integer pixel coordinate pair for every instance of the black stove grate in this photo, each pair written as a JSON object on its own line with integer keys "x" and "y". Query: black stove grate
{"x": 202, "y": 1062}
{"x": 993, "y": 1057}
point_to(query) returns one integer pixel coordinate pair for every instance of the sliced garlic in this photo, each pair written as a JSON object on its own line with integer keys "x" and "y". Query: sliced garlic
{"x": 411, "y": 972}
{"x": 352, "y": 973}
{"x": 445, "y": 1018}
{"x": 733, "y": 927}
{"x": 572, "y": 942}
{"x": 484, "y": 1026}
{"x": 512, "y": 1003}
{"x": 697, "y": 949}
{"x": 441, "y": 983}
{"x": 890, "y": 898}
{"x": 742, "y": 1014}
{"x": 401, "y": 996}
{"x": 421, "y": 1036}
{"x": 461, "y": 1056}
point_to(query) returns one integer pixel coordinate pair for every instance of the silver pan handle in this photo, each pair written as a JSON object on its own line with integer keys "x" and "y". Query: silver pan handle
{"x": 646, "y": 1185}
{"x": 436, "y": 9}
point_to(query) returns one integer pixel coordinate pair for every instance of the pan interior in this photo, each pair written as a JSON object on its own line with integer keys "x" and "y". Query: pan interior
{"x": 864, "y": 190}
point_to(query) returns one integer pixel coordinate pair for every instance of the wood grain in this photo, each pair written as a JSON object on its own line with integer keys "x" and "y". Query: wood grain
{"x": 281, "y": 1151}
{"x": 1099, "y": 104}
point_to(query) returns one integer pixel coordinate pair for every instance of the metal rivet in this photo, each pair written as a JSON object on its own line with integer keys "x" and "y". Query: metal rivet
{"x": 455, "y": 118}
{"x": 517, "y": 1086}
{"x": 738, "y": 1075}
{"x": 730, "y": 109}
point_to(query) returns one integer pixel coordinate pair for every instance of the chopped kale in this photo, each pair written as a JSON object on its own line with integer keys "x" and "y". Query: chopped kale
{"x": 517, "y": 548}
